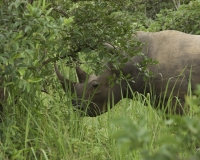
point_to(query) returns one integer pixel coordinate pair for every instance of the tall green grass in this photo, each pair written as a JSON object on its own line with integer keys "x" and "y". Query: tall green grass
{"x": 46, "y": 127}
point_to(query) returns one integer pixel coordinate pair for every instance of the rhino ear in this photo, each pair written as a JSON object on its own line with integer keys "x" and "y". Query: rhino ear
{"x": 66, "y": 84}
{"x": 82, "y": 75}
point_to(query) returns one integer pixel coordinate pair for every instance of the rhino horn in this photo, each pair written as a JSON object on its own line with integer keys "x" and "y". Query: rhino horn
{"x": 82, "y": 75}
{"x": 64, "y": 81}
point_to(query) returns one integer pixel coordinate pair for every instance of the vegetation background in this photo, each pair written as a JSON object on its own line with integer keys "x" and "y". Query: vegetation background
{"x": 37, "y": 121}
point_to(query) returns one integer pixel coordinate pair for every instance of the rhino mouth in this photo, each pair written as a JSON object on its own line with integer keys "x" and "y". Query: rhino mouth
{"x": 86, "y": 108}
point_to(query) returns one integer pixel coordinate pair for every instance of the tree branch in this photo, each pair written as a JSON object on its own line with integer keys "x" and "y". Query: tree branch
{"x": 60, "y": 11}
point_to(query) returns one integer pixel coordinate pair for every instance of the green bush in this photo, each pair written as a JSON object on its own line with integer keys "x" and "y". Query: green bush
{"x": 185, "y": 19}
{"x": 181, "y": 134}
{"x": 28, "y": 34}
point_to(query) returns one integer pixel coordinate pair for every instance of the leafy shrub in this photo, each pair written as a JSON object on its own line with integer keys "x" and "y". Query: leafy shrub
{"x": 181, "y": 135}
{"x": 185, "y": 19}
{"x": 28, "y": 34}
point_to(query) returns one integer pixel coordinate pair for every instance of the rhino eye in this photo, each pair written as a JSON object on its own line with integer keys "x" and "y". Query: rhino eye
{"x": 95, "y": 84}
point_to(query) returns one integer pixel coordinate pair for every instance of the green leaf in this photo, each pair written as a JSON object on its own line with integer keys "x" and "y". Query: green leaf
{"x": 16, "y": 56}
{"x": 43, "y": 5}
{"x": 19, "y": 36}
{"x": 22, "y": 71}
{"x": 28, "y": 28}
{"x": 68, "y": 21}
{"x": 34, "y": 80}
{"x": 49, "y": 11}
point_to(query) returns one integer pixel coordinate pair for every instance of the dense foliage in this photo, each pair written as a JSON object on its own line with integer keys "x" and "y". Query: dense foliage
{"x": 28, "y": 35}
{"x": 185, "y": 19}
{"x": 35, "y": 118}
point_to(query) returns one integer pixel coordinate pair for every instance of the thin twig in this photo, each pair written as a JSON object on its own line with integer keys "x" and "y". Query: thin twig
{"x": 61, "y": 12}
{"x": 51, "y": 60}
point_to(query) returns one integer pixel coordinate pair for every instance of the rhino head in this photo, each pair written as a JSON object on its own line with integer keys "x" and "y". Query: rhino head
{"x": 93, "y": 94}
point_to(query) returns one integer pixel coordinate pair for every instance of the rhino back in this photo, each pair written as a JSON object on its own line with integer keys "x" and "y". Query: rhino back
{"x": 178, "y": 55}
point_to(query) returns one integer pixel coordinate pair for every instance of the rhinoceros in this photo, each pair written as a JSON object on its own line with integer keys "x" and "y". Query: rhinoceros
{"x": 177, "y": 71}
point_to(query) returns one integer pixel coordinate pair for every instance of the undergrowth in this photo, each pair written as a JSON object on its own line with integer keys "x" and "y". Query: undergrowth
{"x": 47, "y": 128}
